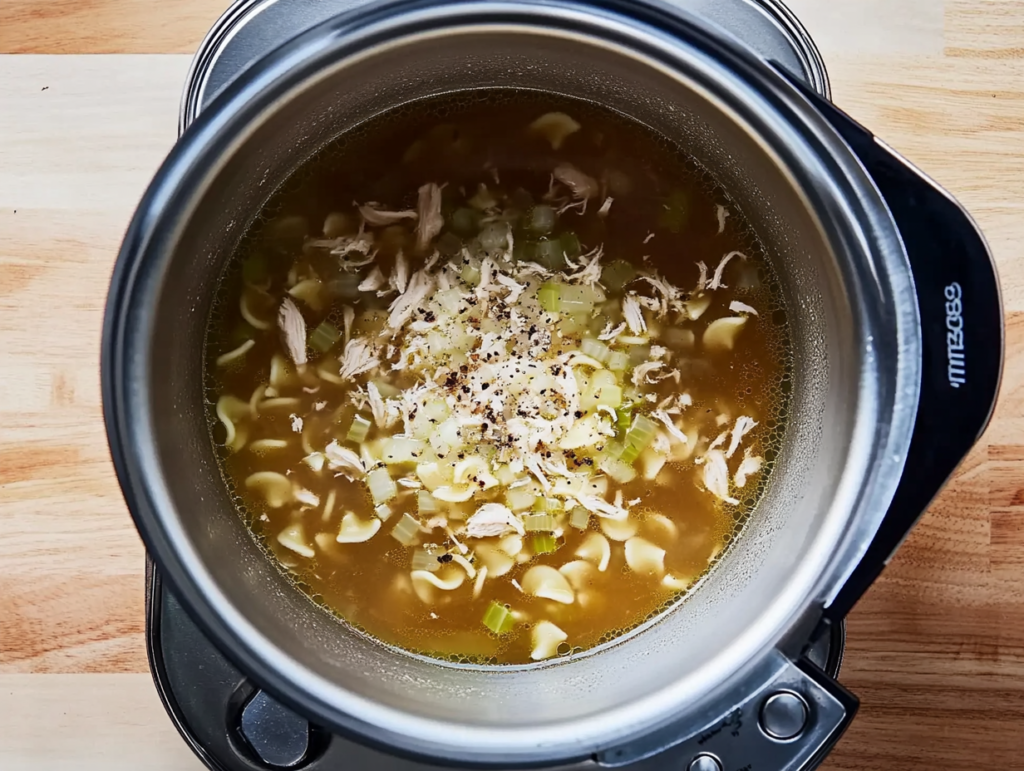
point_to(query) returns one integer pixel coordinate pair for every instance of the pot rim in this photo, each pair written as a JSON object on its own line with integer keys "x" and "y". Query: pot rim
{"x": 654, "y": 33}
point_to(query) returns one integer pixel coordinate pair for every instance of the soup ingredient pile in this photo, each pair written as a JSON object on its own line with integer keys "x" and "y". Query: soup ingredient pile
{"x": 495, "y": 400}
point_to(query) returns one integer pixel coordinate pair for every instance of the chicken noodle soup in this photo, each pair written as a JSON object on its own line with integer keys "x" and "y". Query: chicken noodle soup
{"x": 497, "y": 377}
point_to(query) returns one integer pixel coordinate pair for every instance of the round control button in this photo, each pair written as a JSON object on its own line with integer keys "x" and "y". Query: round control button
{"x": 784, "y": 716}
{"x": 704, "y": 763}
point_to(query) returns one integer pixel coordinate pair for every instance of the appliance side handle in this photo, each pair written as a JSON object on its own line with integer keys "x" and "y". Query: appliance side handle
{"x": 962, "y": 334}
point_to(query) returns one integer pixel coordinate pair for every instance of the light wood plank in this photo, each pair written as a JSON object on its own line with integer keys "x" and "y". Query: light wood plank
{"x": 936, "y": 649}
{"x": 105, "y": 26}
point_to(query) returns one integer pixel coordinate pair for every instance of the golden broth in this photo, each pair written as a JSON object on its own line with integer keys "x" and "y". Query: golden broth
{"x": 653, "y": 207}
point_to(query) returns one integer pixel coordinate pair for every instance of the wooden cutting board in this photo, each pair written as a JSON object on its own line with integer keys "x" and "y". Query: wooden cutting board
{"x": 88, "y": 108}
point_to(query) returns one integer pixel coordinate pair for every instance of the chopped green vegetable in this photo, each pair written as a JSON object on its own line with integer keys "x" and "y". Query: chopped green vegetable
{"x": 641, "y": 433}
{"x": 580, "y": 299}
{"x": 543, "y": 543}
{"x": 425, "y": 558}
{"x": 595, "y": 349}
{"x": 570, "y": 245}
{"x": 382, "y": 486}
{"x": 540, "y": 220}
{"x": 579, "y": 518}
{"x": 618, "y": 361}
{"x": 466, "y": 222}
{"x": 407, "y": 530}
{"x": 498, "y": 618}
{"x": 494, "y": 237}
{"x": 618, "y": 470}
{"x": 624, "y": 417}
{"x": 256, "y": 269}
{"x": 324, "y": 337}
{"x": 524, "y": 251}
{"x": 471, "y": 274}
{"x": 617, "y": 274}
{"x": 359, "y": 429}
{"x": 549, "y": 297}
{"x": 550, "y": 254}
{"x": 449, "y": 245}
{"x": 383, "y": 512}
{"x": 543, "y": 523}
{"x": 427, "y": 503}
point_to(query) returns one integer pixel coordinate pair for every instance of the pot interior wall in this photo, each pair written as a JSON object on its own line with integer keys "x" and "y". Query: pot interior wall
{"x": 754, "y": 590}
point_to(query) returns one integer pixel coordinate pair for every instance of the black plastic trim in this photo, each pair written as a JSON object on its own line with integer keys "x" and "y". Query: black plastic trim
{"x": 959, "y": 299}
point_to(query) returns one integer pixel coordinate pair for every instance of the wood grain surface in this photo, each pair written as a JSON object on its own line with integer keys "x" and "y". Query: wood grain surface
{"x": 936, "y": 649}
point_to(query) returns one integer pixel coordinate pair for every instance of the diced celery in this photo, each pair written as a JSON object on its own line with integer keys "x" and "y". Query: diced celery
{"x": 451, "y": 299}
{"x": 580, "y": 299}
{"x": 543, "y": 543}
{"x": 402, "y": 449}
{"x": 540, "y": 220}
{"x": 425, "y": 558}
{"x": 426, "y": 502}
{"x": 624, "y": 417}
{"x": 466, "y": 222}
{"x": 494, "y": 237}
{"x": 618, "y": 470}
{"x": 579, "y": 518}
{"x": 609, "y": 396}
{"x": 550, "y": 254}
{"x": 256, "y": 269}
{"x": 498, "y": 618}
{"x": 505, "y": 475}
{"x": 618, "y": 361}
{"x": 549, "y": 297}
{"x": 617, "y": 274}
{"x": 407, "y": 530}
{"x": 543, "y": 523}
{"x": 324, "y": 337}
{"x": 641, "y": 433}
{"x": 614, "y": 449}
{"x": 595, "y": 349}
{"x": 383, "y": 512}
{"x": 570, "y": 245}
{"x": 471, "y": 274}
{"x": 448, "y": 245}
{"x": 359, "y": 429}
{"x": 520, "y": 498}
{"x": 382, "y": 486}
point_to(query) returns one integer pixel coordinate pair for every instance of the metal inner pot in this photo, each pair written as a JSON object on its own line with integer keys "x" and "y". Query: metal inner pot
{"x": 856, "y": 357}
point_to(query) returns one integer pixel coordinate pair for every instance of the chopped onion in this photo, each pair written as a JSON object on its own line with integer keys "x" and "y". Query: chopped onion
{"x": 426, "y": 502}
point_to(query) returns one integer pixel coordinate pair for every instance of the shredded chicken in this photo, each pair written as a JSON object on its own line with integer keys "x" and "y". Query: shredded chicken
{"x": 344, "y": 460}
{"x": 605, "y": 207}
{"x": 748, "y": 466}
{"x": 580, "y": 185}
{"x": 430, "y": 219}
{"x": 374, "y": 281}
{"x": 634, "y": 316}
{"x": 376, "y": 216}
{"x": 359, "y": 356}
{"x": 722, "y": 213}
{"x": 716, "y": 476}
{"x": 670, "y": 426}
{"x": 716, "y": 280}
{"x": 493, "y": 519}
{"x": 293, "y": 328}
{"x": 743, "y": 426}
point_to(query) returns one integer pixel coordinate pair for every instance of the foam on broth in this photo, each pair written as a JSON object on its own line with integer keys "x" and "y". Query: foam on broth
{"x": 622, "y": 195}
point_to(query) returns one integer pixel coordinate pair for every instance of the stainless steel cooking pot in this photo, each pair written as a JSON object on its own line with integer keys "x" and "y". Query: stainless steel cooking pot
{"x": 897, "y": 328}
